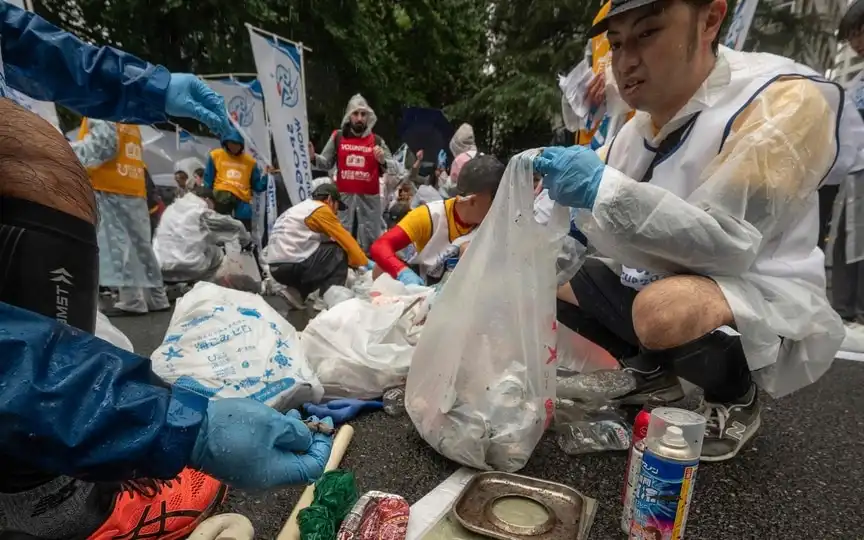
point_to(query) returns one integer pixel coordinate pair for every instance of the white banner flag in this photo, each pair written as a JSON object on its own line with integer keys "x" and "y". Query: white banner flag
{"x": 279, "y": 64}
{"x": 740, "y": 25}
{"x": 245, "y": 105}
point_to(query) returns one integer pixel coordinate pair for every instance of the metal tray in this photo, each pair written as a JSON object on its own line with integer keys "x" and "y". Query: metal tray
{"x": 474, "y": 507}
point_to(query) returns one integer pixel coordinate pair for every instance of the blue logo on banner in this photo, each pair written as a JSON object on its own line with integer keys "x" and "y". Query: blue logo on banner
{"x": 241, "y": 111}
{"x": 287, "y": 83}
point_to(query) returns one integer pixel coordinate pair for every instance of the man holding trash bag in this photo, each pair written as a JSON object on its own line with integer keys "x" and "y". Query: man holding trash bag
{"x": 93, "y": 443}
{"x": 706, "y": 204}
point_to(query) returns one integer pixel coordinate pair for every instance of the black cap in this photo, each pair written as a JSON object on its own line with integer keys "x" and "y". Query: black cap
{"x": 617, "y": 8}
{"x": 852, "y": 21}
{"x": 324, "y": 191}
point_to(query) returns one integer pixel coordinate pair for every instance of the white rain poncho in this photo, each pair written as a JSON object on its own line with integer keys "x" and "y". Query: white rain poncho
{"x": 189, "y": 236}
{"x": 735, "y": 200}
{"x": 126, "y": 257}
{"x": 849, "y": 174}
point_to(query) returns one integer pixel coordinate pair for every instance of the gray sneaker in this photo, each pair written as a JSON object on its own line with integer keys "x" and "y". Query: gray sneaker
{"x": 655, "y": 388}
{"x": 729, "y": 426}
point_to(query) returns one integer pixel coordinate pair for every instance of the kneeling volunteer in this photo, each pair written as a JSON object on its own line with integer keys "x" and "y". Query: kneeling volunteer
{"x": 189, "y": 238}
{"x": 437, "y": 229}
{"x": 309, "y": 248}
{"x": 704, "y": 208}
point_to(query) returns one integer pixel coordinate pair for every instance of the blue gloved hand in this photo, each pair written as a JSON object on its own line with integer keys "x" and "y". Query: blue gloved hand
{"x": 342, "y": 410}
{"x": 189, "y": 97}
{"x": 572, "y": 175}
{"x": 369, "y": 266}
{"x": 408, "y": 277}
{"x": 249, "y": 445}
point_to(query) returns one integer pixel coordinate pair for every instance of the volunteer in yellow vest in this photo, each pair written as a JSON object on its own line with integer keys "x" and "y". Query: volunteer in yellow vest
{"x": 112, "y": 155}
{"x": 233, "y": 175}
{"x": 310, "y": 250}
{"x": 439, "y": 230}
{"x": 599, "y": 56}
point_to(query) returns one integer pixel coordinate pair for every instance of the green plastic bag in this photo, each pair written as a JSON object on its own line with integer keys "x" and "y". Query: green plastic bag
{"x": 335, "y": 495}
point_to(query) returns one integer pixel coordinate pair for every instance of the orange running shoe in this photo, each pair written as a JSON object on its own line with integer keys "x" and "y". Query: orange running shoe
{"x": 162, "y": 509}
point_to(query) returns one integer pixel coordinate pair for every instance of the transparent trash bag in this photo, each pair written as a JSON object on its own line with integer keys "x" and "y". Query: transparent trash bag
{"x": 481, "y": 385}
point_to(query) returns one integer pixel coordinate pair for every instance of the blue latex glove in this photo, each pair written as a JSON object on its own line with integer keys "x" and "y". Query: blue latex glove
{"x": 249, "y": 445}
{"x": 342, "y": 410}
{"x": 189, "y": 97}
{"x": 369, "y": 266}
{"x": 408, "y": 277}
{"x": 572, "y": 175}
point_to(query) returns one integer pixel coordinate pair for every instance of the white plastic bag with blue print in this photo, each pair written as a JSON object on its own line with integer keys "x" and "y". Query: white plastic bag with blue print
{"x": 224, "y": 343}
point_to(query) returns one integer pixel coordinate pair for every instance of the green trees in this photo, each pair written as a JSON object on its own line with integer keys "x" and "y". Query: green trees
{"x": 410, "y": 52}
{"x": 489, "y": 62}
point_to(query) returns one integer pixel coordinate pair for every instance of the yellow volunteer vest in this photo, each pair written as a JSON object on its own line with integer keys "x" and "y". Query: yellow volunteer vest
{"x": 233, "y": 173}
{"x": 123, "y": 175}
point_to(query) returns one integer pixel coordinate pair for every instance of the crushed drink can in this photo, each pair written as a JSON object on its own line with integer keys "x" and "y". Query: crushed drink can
{"x": 634, "y": 464}
{"x": 664, "y": 487}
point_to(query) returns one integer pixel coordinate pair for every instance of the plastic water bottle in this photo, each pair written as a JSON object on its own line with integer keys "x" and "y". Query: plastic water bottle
{"x": 394, "y": 401}
{"x": 597, "y": 432}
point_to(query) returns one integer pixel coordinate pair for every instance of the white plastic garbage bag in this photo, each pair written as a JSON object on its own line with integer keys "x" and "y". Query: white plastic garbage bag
{"x": 107, "y": 331}
{"x": 481, "y": 387}
{"x": 238, "y": 270}
{"x": 227, "y": 343}
{"x": 359, "y": 348}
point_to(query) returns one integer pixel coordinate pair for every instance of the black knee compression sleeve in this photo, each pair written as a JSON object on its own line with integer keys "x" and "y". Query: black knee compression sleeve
{"x": 48, "y": 262}
{"x": 715, "y": 362}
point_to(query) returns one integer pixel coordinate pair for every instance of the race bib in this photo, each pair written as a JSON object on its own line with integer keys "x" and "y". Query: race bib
{"x": 638, "y": 279}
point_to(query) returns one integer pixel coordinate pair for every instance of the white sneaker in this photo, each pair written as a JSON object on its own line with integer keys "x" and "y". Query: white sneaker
{"x": 854, "y": 341}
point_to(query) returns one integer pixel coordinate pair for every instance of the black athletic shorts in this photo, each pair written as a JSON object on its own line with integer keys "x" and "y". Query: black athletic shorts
{"x": 605, "y": 311}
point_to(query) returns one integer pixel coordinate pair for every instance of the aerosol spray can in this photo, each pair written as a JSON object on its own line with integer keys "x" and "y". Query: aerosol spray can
{"x": 667, "y": 474}
{"x": 634, "y": 465}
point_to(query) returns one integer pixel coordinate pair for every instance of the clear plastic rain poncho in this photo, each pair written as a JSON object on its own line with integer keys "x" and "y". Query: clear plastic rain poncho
{"x": 746, "y": 216}
{"x": 366, "y": 210}
{"x": 463, "y": 140}
{"x": 126, "y": 257}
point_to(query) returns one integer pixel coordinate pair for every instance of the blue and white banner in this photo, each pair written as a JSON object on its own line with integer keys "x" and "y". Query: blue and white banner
{"x": 742, "y": 19}
{"x": 279, "y": 64}
{"x": 245, "y": 105}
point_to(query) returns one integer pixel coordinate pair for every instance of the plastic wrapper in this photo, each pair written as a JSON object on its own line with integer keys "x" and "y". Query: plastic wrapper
{"x": 335, "y": 496}
{"x": 481, "y": 386}
{"x": 376, "y": 516}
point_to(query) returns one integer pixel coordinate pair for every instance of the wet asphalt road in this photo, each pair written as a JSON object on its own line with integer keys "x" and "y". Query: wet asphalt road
{"x": 802, "y": 477}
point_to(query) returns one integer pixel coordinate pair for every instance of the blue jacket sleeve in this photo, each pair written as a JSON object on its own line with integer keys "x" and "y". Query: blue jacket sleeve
{"x": 209, "y": 174}
{"x": 75, "y": 405}
{"x": 50, "y": 64}
{"x": 258, "y": 181}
